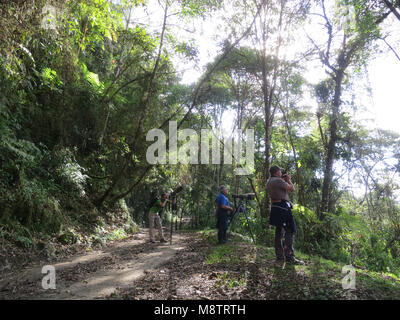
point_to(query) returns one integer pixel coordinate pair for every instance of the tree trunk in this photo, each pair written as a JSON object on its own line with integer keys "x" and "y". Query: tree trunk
{"x": 300, "y": 192}
{"x": 267, "y": 139}
{"x": 326, "y": 203}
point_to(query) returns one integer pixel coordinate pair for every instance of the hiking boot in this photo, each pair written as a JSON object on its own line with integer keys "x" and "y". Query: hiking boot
{"x": 152, "y": 241}
{"x": 295, "y": 261}
{"x": 163, "y": 240}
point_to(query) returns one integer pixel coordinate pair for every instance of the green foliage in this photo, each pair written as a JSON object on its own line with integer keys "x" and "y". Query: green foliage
{"x": 68, "y": 237}
{"x": 198, "y": 8}
{"x": 344, "y": 238}
{"x": 15, "y": 231}
{"x": 221, "y": 254}
{"x": 91, "y": 22}
{"x": 50, "y": 79}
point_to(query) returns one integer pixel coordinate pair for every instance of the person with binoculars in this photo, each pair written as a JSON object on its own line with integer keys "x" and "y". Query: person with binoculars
{"x": 281, "y": 216}
{"x": 154, "y": 217}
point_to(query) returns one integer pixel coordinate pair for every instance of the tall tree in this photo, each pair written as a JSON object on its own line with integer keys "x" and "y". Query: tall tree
{"x": 346, "y": 45}
{"x": 270, "y": 33}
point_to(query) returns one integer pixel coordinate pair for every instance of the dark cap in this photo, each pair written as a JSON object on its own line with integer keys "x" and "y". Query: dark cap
{"x": 274, "y": 169}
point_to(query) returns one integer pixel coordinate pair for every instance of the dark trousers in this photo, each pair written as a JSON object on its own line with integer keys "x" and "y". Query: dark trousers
{"x": 222, "y": 225}
{"x": 284, "y": 248}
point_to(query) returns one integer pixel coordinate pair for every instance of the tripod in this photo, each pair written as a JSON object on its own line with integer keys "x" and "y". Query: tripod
{"x": 239, "y": 209}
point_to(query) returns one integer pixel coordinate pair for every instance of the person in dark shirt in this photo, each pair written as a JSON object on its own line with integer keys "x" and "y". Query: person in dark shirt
{"x": 223, "y": 208}
{"x": 281, "y": 216}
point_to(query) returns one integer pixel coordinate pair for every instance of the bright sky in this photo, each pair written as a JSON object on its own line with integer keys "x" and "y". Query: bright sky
{"x": 384, "y": 76}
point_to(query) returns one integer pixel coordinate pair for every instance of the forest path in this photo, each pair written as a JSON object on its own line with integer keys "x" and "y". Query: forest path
{"x": 97, "y": 274}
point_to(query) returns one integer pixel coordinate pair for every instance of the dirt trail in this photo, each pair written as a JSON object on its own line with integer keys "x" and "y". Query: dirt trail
{"x": 97, "y": 274}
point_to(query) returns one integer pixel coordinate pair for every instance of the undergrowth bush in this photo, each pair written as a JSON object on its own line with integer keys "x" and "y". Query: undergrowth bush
{"x": 39, "y": 189}
{"x": 344, "y": 238}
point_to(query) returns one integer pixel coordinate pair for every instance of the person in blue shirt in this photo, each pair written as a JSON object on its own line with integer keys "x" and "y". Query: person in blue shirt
{"x": 223, "y": 208}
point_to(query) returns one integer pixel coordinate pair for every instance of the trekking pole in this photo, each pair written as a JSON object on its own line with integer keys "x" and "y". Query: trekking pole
{"x": 172, "y": 209}
{"x": 170, "y": 236}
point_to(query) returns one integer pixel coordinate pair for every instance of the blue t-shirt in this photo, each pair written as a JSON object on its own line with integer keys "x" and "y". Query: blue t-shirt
{"x": 221, "y": 199}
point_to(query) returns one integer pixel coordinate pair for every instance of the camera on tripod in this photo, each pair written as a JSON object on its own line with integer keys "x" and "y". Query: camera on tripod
{"x": 245, "y": 196}
{"x": 242, "y": 209}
